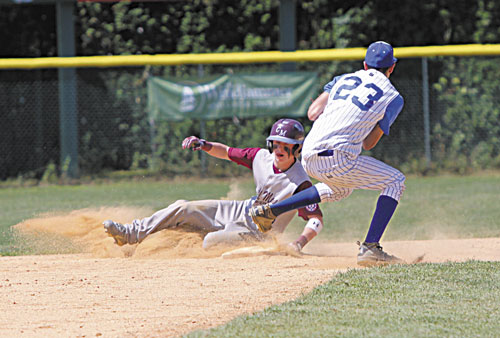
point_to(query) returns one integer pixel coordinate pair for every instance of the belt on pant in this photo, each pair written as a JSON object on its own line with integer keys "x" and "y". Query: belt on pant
{"x": 328, "y": 152}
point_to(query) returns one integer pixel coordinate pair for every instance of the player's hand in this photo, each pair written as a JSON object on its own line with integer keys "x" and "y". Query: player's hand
{"x": 193, "y": 142}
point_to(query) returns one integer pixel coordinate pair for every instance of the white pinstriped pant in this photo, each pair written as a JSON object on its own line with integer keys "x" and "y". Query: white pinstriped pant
{"x": 342, "y": 172}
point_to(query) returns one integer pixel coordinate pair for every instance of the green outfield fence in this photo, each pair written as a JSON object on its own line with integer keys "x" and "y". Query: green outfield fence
{"x": 450, "y": 119}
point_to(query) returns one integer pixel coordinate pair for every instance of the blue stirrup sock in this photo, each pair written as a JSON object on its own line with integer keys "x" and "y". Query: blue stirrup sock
{"x": 385, "y": 209}
{"x": 298, "y": 200}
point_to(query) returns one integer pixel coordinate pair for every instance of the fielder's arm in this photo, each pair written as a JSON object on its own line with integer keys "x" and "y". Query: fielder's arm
{"x": 373, "y": 137}
{"x": 316, "y": 108}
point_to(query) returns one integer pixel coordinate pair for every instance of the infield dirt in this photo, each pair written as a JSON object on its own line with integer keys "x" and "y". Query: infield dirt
{"x": 167, "y": 286}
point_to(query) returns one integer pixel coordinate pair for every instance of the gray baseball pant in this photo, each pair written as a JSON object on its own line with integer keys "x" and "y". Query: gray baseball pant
{"x": 225, "y": 221}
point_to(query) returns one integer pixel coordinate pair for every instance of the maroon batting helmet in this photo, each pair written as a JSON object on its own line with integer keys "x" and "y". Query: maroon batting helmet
{"x": 288, "y": 131}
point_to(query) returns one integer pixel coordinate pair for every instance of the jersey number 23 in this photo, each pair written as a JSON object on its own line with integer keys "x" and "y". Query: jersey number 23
{"x": 364, "y": 103}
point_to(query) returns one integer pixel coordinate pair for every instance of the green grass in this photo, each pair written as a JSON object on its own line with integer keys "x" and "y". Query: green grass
{"x": 434, "y": 207}
{"x": 431, "y": 207}
{"x": 426, "y": 300}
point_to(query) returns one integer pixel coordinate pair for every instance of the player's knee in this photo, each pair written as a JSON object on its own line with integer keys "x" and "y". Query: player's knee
{"x": 182, "y": 206}
{"x": 220, "y": 237}
{"x": 402, "y": 177}
{"x": 210, "y": 240}
{"x": 179, "y": 202}
{"x": 400, "y": 182}
{"x": 229, "y": 238}
{"x": 396, "y": 188}
{"x": 328, "y": 194}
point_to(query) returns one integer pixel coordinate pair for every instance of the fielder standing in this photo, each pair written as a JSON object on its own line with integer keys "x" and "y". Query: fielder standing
{"x": 278, "y": 174}
{"x": 352, "y": 113}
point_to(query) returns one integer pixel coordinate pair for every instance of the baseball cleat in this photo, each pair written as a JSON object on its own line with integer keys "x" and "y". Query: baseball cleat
{"x": 262, "y": 216}
{"x": 117, "y": 231}
{"x": 371, "y": 254}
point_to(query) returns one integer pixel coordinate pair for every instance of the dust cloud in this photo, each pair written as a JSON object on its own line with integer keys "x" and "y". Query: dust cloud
{"x": 81, "y": 231}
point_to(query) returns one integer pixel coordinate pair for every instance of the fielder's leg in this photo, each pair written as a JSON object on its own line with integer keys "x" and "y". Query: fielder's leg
{"x": 392, "y": 186}
{"x": 264, "y": 215}
{"x": 383, "y": 213}
{"x": 343, "y": 173}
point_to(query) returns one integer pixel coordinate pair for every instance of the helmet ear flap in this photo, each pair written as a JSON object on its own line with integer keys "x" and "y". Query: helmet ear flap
{"x": 269, "y": 146}
{"x": 296, "y": 150}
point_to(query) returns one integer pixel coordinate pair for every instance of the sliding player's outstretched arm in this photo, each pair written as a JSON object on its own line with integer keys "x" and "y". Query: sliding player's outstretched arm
{"x": 214, "y": 149}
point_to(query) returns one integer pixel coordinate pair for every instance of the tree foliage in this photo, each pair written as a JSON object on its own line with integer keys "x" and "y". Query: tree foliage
{"x": 114, "y": 128}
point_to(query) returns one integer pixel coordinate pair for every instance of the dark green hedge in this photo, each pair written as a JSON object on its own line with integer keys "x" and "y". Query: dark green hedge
{"x": 114, "y": 128}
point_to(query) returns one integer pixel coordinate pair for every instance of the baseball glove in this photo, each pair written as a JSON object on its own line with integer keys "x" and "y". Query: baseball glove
{"x": 262, "y": 216}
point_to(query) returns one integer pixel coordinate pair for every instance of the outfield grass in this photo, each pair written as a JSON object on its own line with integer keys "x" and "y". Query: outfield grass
{"x": 434, "y": 207}
{"x": 424, "y": 300}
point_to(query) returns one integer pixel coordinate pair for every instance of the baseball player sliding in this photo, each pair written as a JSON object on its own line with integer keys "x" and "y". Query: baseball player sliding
{"x": 277, "y": 174}
{"x": 352, "y": 113}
